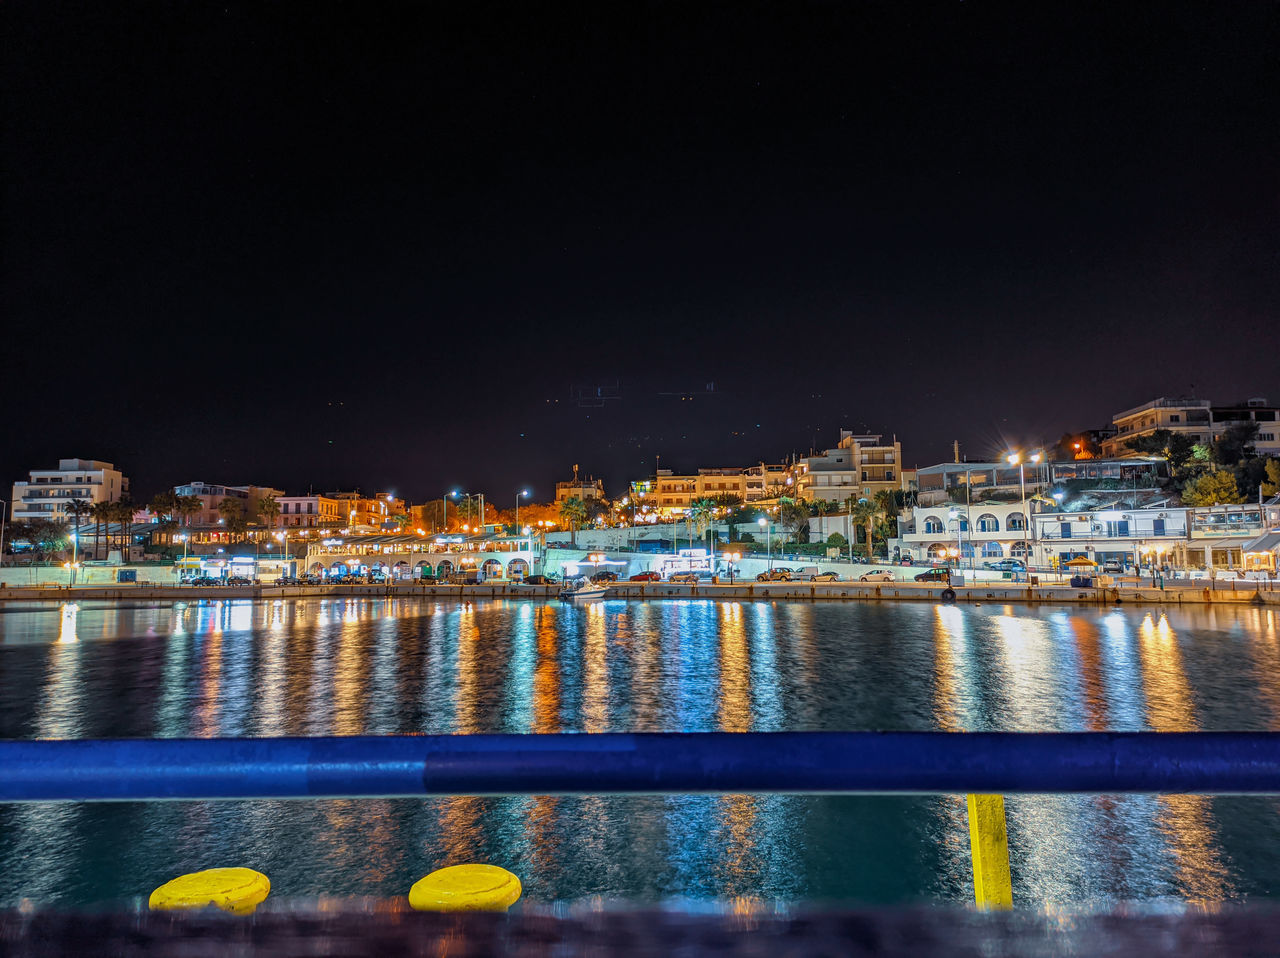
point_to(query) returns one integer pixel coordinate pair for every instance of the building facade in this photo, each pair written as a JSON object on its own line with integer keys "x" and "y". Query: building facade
{"x": 860, "y": 466}
{"x": 46, "y": 492}
{"x": 311, "y": 512}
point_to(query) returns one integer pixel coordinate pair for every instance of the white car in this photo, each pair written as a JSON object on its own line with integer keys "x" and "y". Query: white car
{"x": 876, "y": 575}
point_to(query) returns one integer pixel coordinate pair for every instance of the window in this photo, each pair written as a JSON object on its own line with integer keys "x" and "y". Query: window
{"x": 932, "y": 525}
{"x": 1175, "y": 418}
{"x": 1266, "y": 437}
{"x": 988, "y": 523}
{"x": 1064, "y": 530}
{"x": 1015, "y": 523}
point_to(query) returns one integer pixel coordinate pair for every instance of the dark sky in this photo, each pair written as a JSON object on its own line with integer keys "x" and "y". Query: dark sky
{"x": 388, "y": 245}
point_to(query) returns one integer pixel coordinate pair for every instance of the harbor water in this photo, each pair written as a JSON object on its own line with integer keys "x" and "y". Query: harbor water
{"x": 349, "y": 666}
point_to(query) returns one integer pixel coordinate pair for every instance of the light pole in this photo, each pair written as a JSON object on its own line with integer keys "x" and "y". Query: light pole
{"x": 954, "y": 514}
{"x": 768, "y": 525}
{"x": 522, "y": 492}
{"x": 1015, "y": 458}
{"x": 284, "y": 550}
{"x": 4, "y": 512}
{"x": 731, "y": 558}
{"x": 183, "y": 572}
{"x": 75, "y": 542}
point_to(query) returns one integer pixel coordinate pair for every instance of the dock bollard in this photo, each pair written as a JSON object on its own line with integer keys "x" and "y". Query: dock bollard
{"x": 237, "y": 890}
{"x": 466, "y": 888}
{"x": 989, "y": 845}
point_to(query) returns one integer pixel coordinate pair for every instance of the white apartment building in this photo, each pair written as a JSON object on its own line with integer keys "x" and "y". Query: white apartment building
{"x": 46, "y": 492}
{"x": 984, "y": 532}
{"x": 861, "y": 465}
{"x": 1200, "y": 420}
{"x": 1132, "y": 537}
{"x": 1257, "y": 409}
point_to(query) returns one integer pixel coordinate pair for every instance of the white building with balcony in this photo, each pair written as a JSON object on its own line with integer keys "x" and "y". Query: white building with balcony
{"x": 46, "y": 492}
{"x": 1130, "y": 537}
{"x": 981, "y": 532}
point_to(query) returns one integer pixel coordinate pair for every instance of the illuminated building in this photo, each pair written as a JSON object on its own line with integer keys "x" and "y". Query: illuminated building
{"x": 47, "y": 491}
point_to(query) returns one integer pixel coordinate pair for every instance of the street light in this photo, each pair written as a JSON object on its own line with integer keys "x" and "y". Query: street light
{"x": 731, "y": 558}
{"x": 1016, "y": 459}
{"x": 955, "y": 514}
{"x": 768, "y": 525}
{"x": 522, "y": 492}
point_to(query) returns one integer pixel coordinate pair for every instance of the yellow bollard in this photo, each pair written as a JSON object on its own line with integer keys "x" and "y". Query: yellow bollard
{"x": 466, "y": 888}
{"x": 237, "y": 890}
{"x": 989, "y": 843}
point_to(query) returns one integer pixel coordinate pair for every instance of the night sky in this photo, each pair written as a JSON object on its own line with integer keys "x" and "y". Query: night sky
{"x": 407, "y": 247}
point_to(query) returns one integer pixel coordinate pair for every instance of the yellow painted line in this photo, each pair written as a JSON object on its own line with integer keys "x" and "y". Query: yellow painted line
{"x": 989, "y": 843}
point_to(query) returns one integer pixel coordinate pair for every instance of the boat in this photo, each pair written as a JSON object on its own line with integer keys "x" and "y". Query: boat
{"x": 581, "y": 588}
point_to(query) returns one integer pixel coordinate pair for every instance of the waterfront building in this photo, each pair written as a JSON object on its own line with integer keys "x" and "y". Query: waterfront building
{"x": 1131, "y": 537}
{"x": 860, "y": 466}
{"x": 1218, "y": 535}
{"x": 766, "y": 481}
{"x": 1267, "y": 440}
{"x": 46, "y": 492}
{"x": 673, "y": 495}
{"x": 412, "y": 555}
{"x": 211, "y": 496}
{"x": 1199, "y": 420}
{"x": 361, "y": 513}
{"x": 311, "y": 512}
{"x": 1186, "y": 417}
{"x": 983, "y": 531}
{"x": 584, "y": 489}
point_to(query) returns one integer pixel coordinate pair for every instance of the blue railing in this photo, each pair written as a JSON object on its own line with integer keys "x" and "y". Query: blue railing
{"x": 783, "y": 762}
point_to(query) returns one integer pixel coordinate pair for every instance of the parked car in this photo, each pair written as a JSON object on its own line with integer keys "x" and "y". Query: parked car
{"x": 539, "y": 579}
{"x": 934, "y": 575}
{"x": 775, "y": 575}
{"x": 689, "y": 577}
{"x": 645, "y": 577}
{"x": 605, "y": 575}
{"x": 876, "y": 575}
{"x": 286, "y": 580}
{"x": 238, "y": 580}
{"x": 432, "y": 580}
{"x": 825, "y": 577}
{"x": 1006, "y": 565}
{"x": 202, "y": 580}
{"x": 1112, "y": 565}
{"x": 376, "y": 577}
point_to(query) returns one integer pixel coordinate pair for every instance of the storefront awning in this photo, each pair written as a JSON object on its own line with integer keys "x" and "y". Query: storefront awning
{"x": 1267, "y": 542}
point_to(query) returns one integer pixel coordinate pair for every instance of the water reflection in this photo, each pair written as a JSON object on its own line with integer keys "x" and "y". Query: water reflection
{"x": 348, "y": 666}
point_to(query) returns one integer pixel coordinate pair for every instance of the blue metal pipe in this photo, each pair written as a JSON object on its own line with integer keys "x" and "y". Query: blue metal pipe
{"x": 783, "y": 762}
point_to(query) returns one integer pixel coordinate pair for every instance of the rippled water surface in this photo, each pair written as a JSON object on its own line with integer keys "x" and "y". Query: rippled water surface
{"x": 358, "y": 666}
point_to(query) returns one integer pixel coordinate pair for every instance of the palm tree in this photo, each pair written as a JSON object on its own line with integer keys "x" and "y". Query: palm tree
{"x": 231, "y": 510}
{"x": 700, "y": 514}
{"x": 123, "y": 514}
{"x": 572, "y": 512}
{"x": 102, "y": 512}
{"x": 866, "y": 513}
{"x": 821, "y": 508}
{"x": 78, "y": 508}
{"x": 186, "y": 507}
{"x": 401, "y": 519}
{"x": 267, "y": 510}
{"x": 163, "y": 505}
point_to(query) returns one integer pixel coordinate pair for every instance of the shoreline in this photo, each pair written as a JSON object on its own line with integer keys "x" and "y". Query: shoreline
{"x": 753, "y": 591}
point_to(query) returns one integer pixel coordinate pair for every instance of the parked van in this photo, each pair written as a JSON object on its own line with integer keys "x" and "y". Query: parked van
{"x": 467, "y": 577}
{"x": 806, "y": 573}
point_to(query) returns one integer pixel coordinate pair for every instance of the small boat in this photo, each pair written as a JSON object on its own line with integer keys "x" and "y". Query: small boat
{"x": 581, "y": 588}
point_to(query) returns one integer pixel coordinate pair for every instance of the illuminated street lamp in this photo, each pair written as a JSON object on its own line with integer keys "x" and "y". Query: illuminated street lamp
{"x": 1016, "y": 459}
{"x": 525, "y": 493}
{"x": 731, "y": 558}
{"x": 768, "y": 525}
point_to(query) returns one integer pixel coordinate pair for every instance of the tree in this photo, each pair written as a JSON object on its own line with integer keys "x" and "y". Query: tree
{"x": 573, "y": 512}
{"x": 232, "y": 511}
{"x": 837, "y": 541}
{"x": 822, "y": 508}
{"x": 401, "y": 519}
{"x": 1271, "y": 487}
{"x": 44, "y": 536}
{"x": 1072, "y": 446}
{"x": 701, "y": 513}
{"x": 123, "y": 509}
{"x": 1175, "y": 448}
{"x": 890, "y": 503}
{"x": 163, "y": 505}
{"x": 268, "y": 509}
{"x": 186, "y": 507}
{"x": 794, "y": 517}
{"x": 1212, "y": 489}
{"x": 867, "y": 513}
{"x": 1236, "y": 443}
{"x": 78, "y": 509}
{"x": 102, "y": 513}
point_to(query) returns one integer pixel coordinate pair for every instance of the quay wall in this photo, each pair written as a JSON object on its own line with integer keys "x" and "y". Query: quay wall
{"x": 748, "y": 591}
